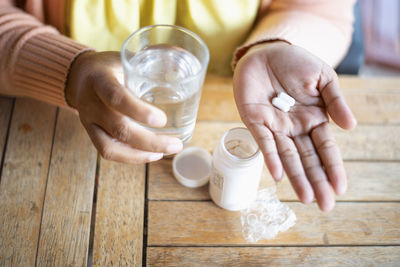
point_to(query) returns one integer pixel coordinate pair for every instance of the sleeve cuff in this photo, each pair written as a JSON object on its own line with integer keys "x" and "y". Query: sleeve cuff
{"x": 42, "y": 65}
{"x": 311, "y": 32}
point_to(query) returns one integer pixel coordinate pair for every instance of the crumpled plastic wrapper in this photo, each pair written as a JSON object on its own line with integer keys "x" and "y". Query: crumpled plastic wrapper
{"x": 266, "y": 217}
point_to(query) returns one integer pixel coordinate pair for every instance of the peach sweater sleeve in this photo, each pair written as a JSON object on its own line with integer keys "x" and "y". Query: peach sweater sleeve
{"x": 323, "y": 27}
{"x": 35, "y": 59}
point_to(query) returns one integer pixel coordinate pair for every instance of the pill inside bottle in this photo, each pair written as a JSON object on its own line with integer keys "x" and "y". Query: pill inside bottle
{"x": 240, "y": 148}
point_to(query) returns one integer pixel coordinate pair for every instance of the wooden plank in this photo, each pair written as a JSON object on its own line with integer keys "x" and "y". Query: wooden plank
{"x": 365, "y": 142}
{"x": 373, "y": 100}
{"x": 164, "y": 186}
{"x": 369, "y": 142}
{"x": 273, "y": 256}
{"x": 5, "y": 116}
{"x": 64, "y": 236}
{"x": 208, "y": 133}
{"x": 23, "y": 181}
{"x": 217, "y": 101}
{"x": 202, "y": 223}
{"x": 118, "y": 235}
{"x": 367, "y": 181}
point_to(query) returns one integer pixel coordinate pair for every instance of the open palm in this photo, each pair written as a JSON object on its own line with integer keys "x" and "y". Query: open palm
{"x": 299, "y": 141}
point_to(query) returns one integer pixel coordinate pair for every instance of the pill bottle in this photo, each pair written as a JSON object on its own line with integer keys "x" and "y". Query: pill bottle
{"x": 236, "y": 170}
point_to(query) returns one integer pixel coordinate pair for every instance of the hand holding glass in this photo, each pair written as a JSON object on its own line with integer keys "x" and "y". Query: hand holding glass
{"x": 165, "y": 65}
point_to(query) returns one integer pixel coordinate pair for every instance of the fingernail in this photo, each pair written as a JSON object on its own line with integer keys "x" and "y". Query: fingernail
{"x": 174, "y": 148}
{"x": 278, "y": 175}
{"x": 341, "y": 189}
{"x": 277, "y": 179}
{"x": 326, "y": 207}
{"x": 157, "y": 120}
{"x": 308, "y": 198}
{"x": 355, "y": 122}
{"x": 155, "y": 156}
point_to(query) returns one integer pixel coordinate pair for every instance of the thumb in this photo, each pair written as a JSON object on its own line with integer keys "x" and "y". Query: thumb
{"x": 335, "y": 103}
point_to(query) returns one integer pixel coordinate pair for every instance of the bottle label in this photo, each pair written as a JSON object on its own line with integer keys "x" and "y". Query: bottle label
{"x": 216, "y": 178}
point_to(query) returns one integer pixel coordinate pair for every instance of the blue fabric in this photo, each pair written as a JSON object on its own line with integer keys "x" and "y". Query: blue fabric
{"x": 355, "y": 56}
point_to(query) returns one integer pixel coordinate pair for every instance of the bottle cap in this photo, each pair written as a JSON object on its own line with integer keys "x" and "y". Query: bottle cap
{"x": 192, "y": 167}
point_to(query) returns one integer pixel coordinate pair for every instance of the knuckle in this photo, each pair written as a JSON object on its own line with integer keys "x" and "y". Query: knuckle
{"x": 288, "y": 153}
{"x": 296, "y": 176}
{"x": 327, "y": 144}
{"x": 313, "y": 168}
{"x": 154, "y": 147}
{"x": 266, "y": 138}
{"x": 115, "y": 97}
{"x": 106, "y": 152}
{"x": 334, "y": 166}
{"x": 316, "y": 181}
{"x": 112, "y": 95}
{"x": 333, "y": 100}
{"x": 308, "y": 154}
{"x": 121, "y": 132}
{"x": 157, "y": 144}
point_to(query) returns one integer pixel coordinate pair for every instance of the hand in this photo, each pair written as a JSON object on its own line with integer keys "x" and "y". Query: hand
{"x": 299, "y": 141}
{"x": 108, "y": 111}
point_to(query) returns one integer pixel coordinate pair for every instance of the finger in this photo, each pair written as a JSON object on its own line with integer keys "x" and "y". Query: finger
{"x": 112, "y": 149}
{"x": 329, "y": 153}
{"x": 127, "y": 131}
{"x": 119, "y": 98}
{"x": 315, "y": 172}
{"x": 266, "y": 142}
{"x": 334, "y": 100}
{"x": 293, "y": 168}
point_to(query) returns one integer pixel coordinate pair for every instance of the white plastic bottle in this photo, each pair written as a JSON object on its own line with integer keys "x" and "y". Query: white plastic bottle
{"x": 236, "y": 170}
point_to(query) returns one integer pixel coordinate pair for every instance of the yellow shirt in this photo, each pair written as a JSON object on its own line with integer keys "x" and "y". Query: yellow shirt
{"x": 222, "y": 24}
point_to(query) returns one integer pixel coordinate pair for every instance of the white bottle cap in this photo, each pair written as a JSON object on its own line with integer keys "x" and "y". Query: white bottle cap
{"x": 192, "y": 166}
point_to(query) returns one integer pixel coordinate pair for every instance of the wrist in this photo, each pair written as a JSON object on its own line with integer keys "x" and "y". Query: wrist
{"x": 267, "y": 44}
{"x": 74, "y": 78}
{"x": 244, "y": 50}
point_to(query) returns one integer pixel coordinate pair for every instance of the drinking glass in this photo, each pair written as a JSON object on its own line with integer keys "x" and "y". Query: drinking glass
{"x": 165, "y": 66}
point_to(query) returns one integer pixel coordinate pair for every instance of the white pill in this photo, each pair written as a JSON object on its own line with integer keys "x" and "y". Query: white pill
{"x": 287, "y": 98}
{"x": 281, "y": 104}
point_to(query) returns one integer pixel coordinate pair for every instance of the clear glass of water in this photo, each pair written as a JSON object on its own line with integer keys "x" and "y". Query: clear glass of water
{"x": 165, "y": 66}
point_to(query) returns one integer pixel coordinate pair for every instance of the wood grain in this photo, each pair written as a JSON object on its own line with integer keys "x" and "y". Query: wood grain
{"x": 273, "y": 256}
{"x": 208, "y": 133}
{"x": 64, "y": 236}
{"x": 369, "y": 142}
{"x": 23, "y": 181}
{"x": 372, "y": 100}
{"x": 118, "y": 236}
{"x": 5, "y": 115}
{"x": 202, "y": 223}
{"x": 365, "y": 142}
{"x": 164, "y": 186}
{"x": 367, "y": 181}
{"x": 217, "y": 102}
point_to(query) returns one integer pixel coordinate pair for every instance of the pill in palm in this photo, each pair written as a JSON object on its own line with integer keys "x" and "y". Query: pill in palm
{"x": 281, "y": 104}
{"x": 287, "y": 98}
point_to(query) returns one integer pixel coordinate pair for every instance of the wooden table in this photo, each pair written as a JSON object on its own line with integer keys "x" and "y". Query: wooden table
{"x": 60, "y": 204}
